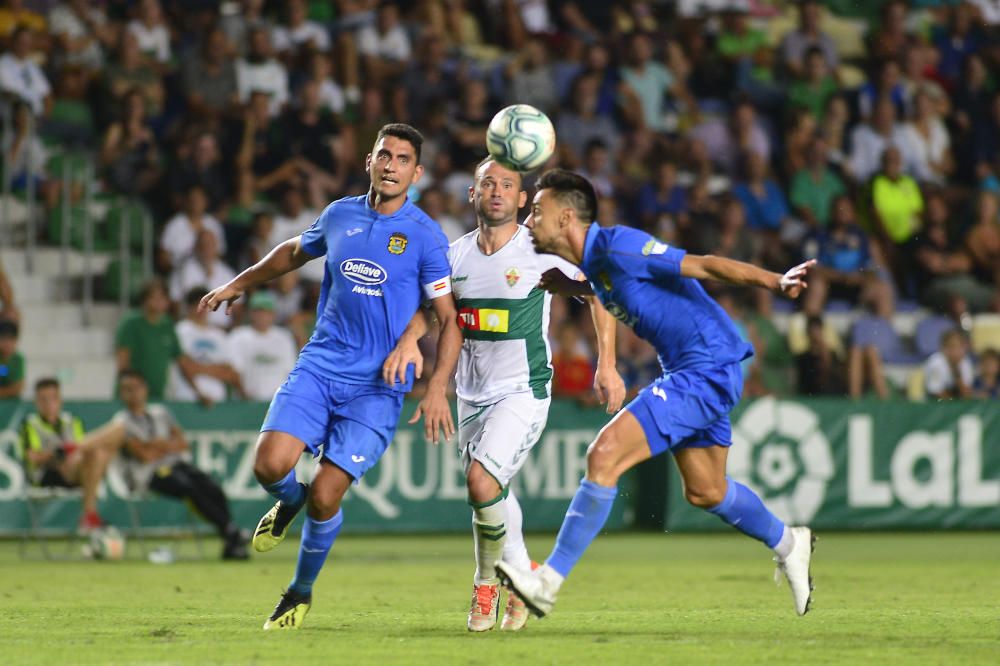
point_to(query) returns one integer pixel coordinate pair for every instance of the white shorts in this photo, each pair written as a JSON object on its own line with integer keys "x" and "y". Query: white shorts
{"x": 500, "y": 435}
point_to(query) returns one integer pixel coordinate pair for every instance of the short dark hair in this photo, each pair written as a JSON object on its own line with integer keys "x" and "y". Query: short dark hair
{"x": 8, "y": 328}
{"x": 46, "y": 382}
{"x": 951, "y": 334}
{"x": 129, "y": 373}
{"x": 405, "y": 132}
{"x": 573, "y": 189}
{"x": 150, "y": 286}
{"x": 194, "y": 295}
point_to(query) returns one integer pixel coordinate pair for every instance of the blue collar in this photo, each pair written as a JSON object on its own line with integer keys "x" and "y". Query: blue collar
{"x": 405, "y": 208}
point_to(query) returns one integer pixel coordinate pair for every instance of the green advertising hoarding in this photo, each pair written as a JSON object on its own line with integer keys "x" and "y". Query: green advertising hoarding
{"x": 835, "y": 464}
{"x": 415, "y": 487}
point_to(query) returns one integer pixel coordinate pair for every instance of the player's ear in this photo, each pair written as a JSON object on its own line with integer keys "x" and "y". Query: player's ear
{"x": 522, "y": 199}
{"x": 417, "y": 173}
{"x": 368, "y": 163}
{"x": 472, "y": 193}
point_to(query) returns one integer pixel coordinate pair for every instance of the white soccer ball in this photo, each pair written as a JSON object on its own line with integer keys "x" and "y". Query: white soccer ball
{"x": 105, "y": 543}
{"x": 520, "y": 137}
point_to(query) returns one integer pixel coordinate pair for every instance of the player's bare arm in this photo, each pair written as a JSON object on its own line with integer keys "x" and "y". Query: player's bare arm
{"x": 709, "y": 267}
{"x": 608, "y": 384}
{"x": 284, "y": 258}
{"x": 407, "y": 350}
{"x": 434, "y": 406}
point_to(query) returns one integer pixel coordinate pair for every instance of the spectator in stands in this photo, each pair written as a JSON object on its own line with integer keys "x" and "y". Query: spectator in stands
{"x": 874, "y": 342}
{"x": 983, "y": 240}
{"x": 572, "y": 367}
{"x": 294, "y": 306}
{"x": 22, "y": 77}
{"x": 987, "y": 383}
{"x": 299, "y": 35}
{"x": 82, "y": 34}
{"x": 869, "y": 141}
{"x": 817, "y": 86}
{"x": 25, "y": 158}
{"x": 928, "y": 140}
{"x": 258, "y": 243}
{"x": 209, "y": 346}
{"x": 957, "y": 42}
{"x": 318, "y": 145}
{"x": 384, "y": 45}
{"x": 332, "y": 96}
{"x": 263, "y": 154}
{"x": 531, "y": 79}
{"x": 580, "y": 122}
{"x": 467, "y": 125}
{"x": 238, "y": 24}
{"x": 435, "y": 203}
{"x": 199, "y": 163}
{"x": 56, "y": 453}
{"x": 263, "y": 353}
{"x": 130, "y": 156}
{"x": 259, "y": 72}
{"x": 151, "y": 32}
{"x": 426, "y": 81}
{"x": 896, "y": 206}
{"x": 130, "y": 71}
{"x": 11, "y": 362}
{"x": 796, "y": 44}
{"x": 14, "y": 14}
{"x": 179, "y": 236}
{"x": 764, "y": 202}
{"x": 725, "y": 235}
{"x": 814, "y": 188}
{"x": 918, "y": 59}
{"x": 208, "y": 78}
{"x": 726, "y": 141}
{"x": 820, "y": 371}
{"x": 660, "y": 196}
{"x": 8, "y": 304}
{"x": 943, "y": 266}
{"x": 204, "y": 266}
{"x": 891, "y": 37}
{"x": 147, "y": 343}
{"x": 847, "y": 268}
{"x": 834, "y": 128}
{"x": 884, "y": 84}
{"x": 598, "y": 169}
{"x": 71, "y": 123}
{"x": 948, "y": 373}
{"x": 153, "y": 449}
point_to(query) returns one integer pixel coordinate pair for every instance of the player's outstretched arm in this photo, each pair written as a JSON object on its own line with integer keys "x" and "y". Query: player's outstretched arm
{"x": 608, "y": 384}
{"x": 407, "y": 351}
{"x": 434, "y": 407}
{"x": 285, "y": 257}
{"x": 709, "y": 267}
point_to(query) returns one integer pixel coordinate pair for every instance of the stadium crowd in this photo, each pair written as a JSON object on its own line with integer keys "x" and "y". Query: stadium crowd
{"x": 866, "y": 135}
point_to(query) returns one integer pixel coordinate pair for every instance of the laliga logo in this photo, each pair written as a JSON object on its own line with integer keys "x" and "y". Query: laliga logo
{"x": 780, "y": 453}
{"x": 363, "y": 271}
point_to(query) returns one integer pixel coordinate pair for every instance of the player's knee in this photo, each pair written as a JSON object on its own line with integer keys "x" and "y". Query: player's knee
{"x": 603, "y": 456}
{"x": 481, "y": 484}
{"x": 705, "y": 496}
{"x": 324, "y": 502}
{"x": 267, "y": 470}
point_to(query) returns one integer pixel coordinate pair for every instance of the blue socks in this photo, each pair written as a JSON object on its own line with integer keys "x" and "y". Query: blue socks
{"x": 742, "y": 509}
{"x": 317, "y": 538}
{"x": 585, "y": 517}
{"x": 288, "y": 490}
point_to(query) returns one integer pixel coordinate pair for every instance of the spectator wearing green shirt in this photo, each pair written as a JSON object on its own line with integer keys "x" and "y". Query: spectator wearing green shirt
{"x": 816, "y": 87}
{"x": 814, "y": 187}
{"x": 11, "y": 362}
{"x": 747, "y": 50}
{"x": 896, "y": 204}
{"x": 147, "y": 342}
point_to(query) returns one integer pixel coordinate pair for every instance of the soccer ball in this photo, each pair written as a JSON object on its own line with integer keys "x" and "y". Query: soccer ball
{"x": 105, "y": 543}
{"x": 521, "y": 137}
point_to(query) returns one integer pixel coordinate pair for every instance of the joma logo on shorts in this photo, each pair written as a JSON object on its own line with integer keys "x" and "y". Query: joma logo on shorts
{"x": 363, "y": 271}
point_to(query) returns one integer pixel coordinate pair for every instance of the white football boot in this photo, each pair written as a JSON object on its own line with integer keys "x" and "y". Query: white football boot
{"x": 538, "y": 588}
{"x": 485, "y": 606}
{"x": 795, "y": 568}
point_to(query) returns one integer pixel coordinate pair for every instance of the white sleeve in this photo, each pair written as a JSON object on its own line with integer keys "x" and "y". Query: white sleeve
{"x": 550, "y": 261}
{"x": 937, "y": 377}
{"x": 367, "y": 41}
{"x": 162, "y": 44}
{"x": 968, "y": 374}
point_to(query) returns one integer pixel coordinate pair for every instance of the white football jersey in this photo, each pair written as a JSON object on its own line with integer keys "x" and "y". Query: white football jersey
{"x": 504, "y": 318}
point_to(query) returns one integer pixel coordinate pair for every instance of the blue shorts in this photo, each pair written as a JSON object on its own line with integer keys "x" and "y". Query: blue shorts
{"x": 351, "y": 425}
{"x": 689, "y": 408}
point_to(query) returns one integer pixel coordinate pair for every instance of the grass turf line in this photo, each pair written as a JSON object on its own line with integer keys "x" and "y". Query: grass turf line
{"x": 897, "y": 598}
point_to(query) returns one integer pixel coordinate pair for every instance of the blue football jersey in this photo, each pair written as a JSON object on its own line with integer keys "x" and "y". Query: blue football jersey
{"x": 637, "y": 279}
{"x": 378, "y": 270}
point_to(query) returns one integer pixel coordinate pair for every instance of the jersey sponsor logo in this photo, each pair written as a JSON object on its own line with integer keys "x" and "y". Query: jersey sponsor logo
{"x": 363, "y": 271}
{"x": 397, "y": 243}
{"x": 354, "y": 231}
{"x": 459, "y": 278}
{"x": 620, "y": 313}
{"x": 512, "y": 275}
{"x": 654, "y": 246}
{"x": 484, "y": 319}
{"x": 366, "y": 291}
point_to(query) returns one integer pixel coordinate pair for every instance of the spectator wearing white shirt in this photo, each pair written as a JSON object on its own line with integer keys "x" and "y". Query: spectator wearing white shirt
{"x": 385, "y": 46}
{"x": 151, "y": 32}
{"x": 23, "y": 78}
{"x": 869, "y": 140}
{"x": 181, "y": 232}
{"x": 260, "y": 72}
{"x": 293, "y": 219}
{"x": 263, "y": 353}
{"x": 300, "y": 33}
{"x": 82, "y": 33}
{"x": 202, "y": 268}
{"x": 928, "y": 139}
{"x": 948, "y": 373}
{"x": 209, "y": 346}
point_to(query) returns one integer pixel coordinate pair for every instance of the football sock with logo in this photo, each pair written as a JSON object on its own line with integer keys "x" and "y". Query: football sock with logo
{"x": 514, "y": 550}
{"x": 288, "y": 490}
{"x": 489, "y": 532}
{"x": 742, "y": 509}
{"x": 584, "y": 519}
{"x": 317, "y": 539}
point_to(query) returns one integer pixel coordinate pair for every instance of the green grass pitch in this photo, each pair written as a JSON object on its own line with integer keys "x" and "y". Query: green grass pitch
{"x": 634, "y": 599}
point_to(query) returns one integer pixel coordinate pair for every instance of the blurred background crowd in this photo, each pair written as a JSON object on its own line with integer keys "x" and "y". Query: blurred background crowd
{"x": 864, "y": 134}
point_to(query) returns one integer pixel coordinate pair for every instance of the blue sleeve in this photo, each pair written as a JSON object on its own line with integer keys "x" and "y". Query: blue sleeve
{"x": 313, "y": 239}
{"x": 435, "y": 270}
{"x": 637, "y": 253}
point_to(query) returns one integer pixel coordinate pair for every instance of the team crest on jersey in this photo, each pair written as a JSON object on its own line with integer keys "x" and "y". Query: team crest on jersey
{"x": 397, "y": 243}
{"x": 512, "y": 275}
{"x": 654, "y": 246}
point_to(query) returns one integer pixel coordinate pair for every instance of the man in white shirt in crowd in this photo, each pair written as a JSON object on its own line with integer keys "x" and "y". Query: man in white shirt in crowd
{"x": 263, "y": 353}
{"x": 203, "y": 267}
{"x": 385, "y": 46}
{"x": 300, "y": 32}
{"x": 181, "y": 233}
{"x": 293, "y": 219}
{"x": 211, "y": 348}
{"x": 22, "y": 77}
{"x": 260, "y": 72}
{"x": 948, "y": 372}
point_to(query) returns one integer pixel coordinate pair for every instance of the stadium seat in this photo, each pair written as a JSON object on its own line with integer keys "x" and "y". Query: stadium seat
{"x": 985, "y": 332}
{"x": 37, "y": 500}
{"x": 872, "y": 331}
{"x": 798, "y": 342}
{"x": 111, "y": 286}
{"x": 126, "y": 214}
{"x": 927, "y": 337}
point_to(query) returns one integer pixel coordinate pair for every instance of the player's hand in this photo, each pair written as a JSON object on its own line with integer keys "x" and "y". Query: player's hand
{"x": 793, "y": 282}
{"x": 436, "y": 411}
{"x": 556, "y": 282}
{"x": 227, "y": 294}
{"x": 610, "y": 388}
{"x": 406, "y": 352}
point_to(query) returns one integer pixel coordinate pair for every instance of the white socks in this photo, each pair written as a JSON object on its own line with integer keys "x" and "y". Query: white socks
{"x": 784, "y": 547}
{"x": 489, "y": 532}
{"x": 514, "y": 550}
